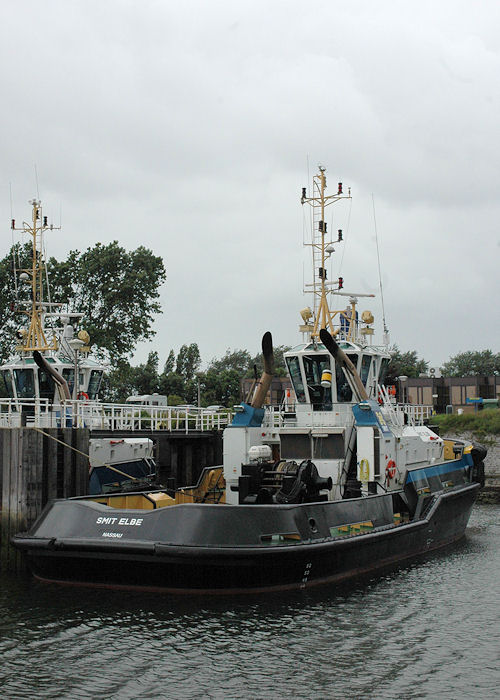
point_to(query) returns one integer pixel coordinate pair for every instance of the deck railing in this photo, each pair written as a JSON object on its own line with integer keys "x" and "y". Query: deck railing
{"x": 278, "y": 416}
{"x": 41, "y": 413}
{"x": 417, "y": 413}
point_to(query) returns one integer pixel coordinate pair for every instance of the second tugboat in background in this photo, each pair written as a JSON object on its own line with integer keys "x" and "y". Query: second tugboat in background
{"x": 52, "y": 363}
{"x": 342, "y": 482}
{"x": 51, "y": 381}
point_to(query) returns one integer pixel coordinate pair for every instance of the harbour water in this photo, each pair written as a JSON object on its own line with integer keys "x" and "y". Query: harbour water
{"x": 429, "y": 630}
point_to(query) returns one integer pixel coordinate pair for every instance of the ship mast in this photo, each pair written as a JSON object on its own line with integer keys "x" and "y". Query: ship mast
{"x": 322, "y": 248}
{"x": 34, "y": 338}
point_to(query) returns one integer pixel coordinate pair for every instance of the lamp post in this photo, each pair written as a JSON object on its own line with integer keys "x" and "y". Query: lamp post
{"x": 76, "y": 344}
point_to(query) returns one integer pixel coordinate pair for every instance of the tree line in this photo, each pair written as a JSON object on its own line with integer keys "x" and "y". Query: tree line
{"x": 183, "y": 381}
{"x": 181, "y": 378}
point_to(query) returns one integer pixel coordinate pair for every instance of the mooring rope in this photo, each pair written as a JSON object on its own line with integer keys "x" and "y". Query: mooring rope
{"x": 102, "y": 464}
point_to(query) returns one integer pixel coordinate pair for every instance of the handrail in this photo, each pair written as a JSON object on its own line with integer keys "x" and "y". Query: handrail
{"x": 391, "y": 408}
{"x": 109, "y": 416}
{"x": 42, "y": 413}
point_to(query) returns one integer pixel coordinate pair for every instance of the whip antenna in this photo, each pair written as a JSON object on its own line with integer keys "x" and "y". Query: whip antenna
{"x": 386, "y": 330}
{"x": 13, "y": 247}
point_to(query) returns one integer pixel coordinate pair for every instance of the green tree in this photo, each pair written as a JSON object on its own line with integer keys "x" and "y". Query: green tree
{"x": 220, "y": 384}
{"x": 472, "y": 363}
{"x": 115, "y": 290}
{"x": 404, "y": 364}
{"x": 10, "y": 318}
{"x": 170, "y": 363}
{"x": 188, "y": 361}
{"x": 179, "y": 376}
{"x": 221, "y": 387}
{"x": 146, "y": 375}
{"x": 124, "y": 380}
{"x": 279, "y": 362}
{"x": 174, "y": 400}
{"x": 237, "y": 360}
{"x": 119, "y": 383}
{"x": 171, "y": 383}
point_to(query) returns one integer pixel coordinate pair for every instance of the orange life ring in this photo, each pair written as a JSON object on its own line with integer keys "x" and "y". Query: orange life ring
{"x": 390, "y": 470}
{"x": 82, "y": 395}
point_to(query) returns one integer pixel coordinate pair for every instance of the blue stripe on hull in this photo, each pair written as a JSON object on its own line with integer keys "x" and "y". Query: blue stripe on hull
{"x": 439, "y": 469}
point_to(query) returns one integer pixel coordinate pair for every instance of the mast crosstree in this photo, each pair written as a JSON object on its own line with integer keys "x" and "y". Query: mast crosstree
{"x": 322, "y": 248}
{"x": 34, "y": 337}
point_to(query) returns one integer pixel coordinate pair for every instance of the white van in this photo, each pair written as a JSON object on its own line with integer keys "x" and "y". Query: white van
{"x": 148, "y": 400}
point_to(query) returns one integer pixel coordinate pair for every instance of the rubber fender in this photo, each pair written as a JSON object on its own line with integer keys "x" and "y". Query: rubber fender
{"x": 478, "y": 453}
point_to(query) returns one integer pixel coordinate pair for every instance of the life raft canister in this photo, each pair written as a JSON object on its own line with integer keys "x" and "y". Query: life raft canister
{"x": 390, "y": 470}
{"x": 326, "y": 378}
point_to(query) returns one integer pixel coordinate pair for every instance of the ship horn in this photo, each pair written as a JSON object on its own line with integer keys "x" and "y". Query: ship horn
{"x": 62, "y": 384}
{"x": 346, "y": 363}
{"x": 267, "y": 375}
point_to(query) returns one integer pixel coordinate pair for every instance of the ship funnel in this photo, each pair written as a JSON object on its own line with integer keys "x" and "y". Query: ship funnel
{"x": 62, "y": 384}
{"x": 265, "y": 381}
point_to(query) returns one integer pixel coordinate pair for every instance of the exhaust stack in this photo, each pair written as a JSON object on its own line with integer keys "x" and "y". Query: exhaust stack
{"x": 267, "y": 376}
{"x": 62, "y": 384}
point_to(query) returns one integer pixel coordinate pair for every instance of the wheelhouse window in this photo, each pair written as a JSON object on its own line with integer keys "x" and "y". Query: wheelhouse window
{"x": 94, "y": 383}
{"x": 7, "y": 381}
{"x": 354, "y": 357}
{"x": 344, "y": 391}
{"x": 46, "y": 384}
{"x": 69, "y": 376}
{"x": 366, "y": 361}
{"x": 320, "y": 396}
{"x": 384, "y": 364}
{"x": 25, "y": 383}
{"x": 293, "y": 365}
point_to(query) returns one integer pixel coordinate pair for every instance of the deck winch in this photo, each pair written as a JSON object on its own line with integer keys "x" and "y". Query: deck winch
{"x": 282, "y": 482}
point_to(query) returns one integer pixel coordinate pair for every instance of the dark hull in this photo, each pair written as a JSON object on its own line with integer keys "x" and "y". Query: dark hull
{"x": 201, "y": 566}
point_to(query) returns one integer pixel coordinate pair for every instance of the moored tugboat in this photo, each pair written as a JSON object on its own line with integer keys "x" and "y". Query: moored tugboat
{"x": 51, "y": 381}
{"x": 51, "y": 365}
{"x": 341, "y": 483}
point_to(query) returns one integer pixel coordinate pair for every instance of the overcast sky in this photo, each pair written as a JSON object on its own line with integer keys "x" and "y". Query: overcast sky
{"x": 190, "y": 127}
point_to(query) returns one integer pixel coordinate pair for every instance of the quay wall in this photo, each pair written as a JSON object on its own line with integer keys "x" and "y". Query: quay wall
{"x": 491, "y": 491}
{"x": 37, "y": 466}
